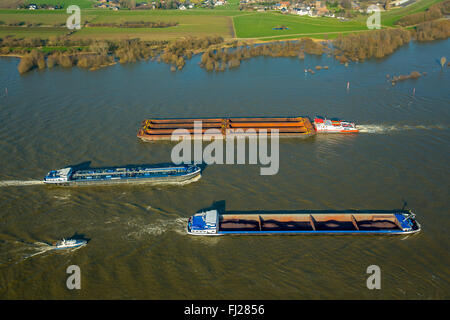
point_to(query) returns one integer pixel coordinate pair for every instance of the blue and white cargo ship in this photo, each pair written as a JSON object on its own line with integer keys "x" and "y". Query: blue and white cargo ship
{"x": 212, "y": 223}
{"x": 129, "y": 174}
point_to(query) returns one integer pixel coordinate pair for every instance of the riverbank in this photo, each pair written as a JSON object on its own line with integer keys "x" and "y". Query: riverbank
{"x": 173, "y": 36}
{"x": 218, "y": 54}
{"x": 100, "y": 24}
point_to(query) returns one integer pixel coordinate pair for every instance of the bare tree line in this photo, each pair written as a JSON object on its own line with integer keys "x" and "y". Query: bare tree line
{"x": 217, "y": 54}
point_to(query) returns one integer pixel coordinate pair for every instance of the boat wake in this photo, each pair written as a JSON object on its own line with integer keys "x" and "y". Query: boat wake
{"x": 157, "y": 228}
{"x": 177, "y": 183}
{"x": 375, "y": 128}
{"x": 40, "y": 248}
{"x": 19, "y": 183}
{"x": 22, "y": 183}
{"x": 160, "y": 227}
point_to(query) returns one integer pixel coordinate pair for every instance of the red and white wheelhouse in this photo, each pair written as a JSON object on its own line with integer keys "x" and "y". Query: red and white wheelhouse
{"x": 334, "y": 126}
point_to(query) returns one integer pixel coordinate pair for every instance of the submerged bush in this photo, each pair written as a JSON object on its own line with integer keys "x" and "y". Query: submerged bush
{"x": 370, "y": 44}
{"x": 433, "y": 30}
{"x": 221, "y": 59}
{"x": 412, "y": 75}
{"x": 26, "y": 64}
{"x": 31, "y": 60}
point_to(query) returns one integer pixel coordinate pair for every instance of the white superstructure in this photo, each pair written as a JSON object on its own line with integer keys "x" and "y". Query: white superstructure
{"x": 58, "y": 176}
{"x": 334, "y": 126}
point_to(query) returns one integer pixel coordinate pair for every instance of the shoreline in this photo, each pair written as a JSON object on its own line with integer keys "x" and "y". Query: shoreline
{"x": 13, "y": 55}
{"x": 174, "y": 54}
{"x": 228, "y": 43}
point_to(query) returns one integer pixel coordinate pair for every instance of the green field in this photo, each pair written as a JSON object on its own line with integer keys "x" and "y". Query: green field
{"x": 43, "y": 33}
{"x": 226, "y": 21}
{"x": 189, "y": 24}
{"x": 319, "y": 36}
{"x": 65, "y": 3}
{"x": 196, "y": 26}
{"x": 45, "y": 17}
{"x": 199, "y": 23}
{"x": 259, "y": 25}
{"x": 389, "y": 18}
{"x": 11, "y": 4}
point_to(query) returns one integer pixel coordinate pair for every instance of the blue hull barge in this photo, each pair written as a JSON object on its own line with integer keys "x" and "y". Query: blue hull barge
{"x": 131, "y": 174}
{"x": 212, "y": 223}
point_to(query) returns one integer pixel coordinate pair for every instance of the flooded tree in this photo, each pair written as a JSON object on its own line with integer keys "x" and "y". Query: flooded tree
{"x": 31, "y": 60}
{"x": 231, "y": 58}
{"x": 377, "y": 44}
{"x": 433, "y": 30}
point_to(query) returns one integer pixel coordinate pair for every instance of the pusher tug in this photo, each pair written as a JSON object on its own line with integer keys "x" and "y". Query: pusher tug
{"x": 324, "y": 125}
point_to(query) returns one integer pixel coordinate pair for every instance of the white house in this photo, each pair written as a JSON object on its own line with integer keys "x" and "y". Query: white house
{"x": 398, "y": 2}
{"x": 303, "y": 12}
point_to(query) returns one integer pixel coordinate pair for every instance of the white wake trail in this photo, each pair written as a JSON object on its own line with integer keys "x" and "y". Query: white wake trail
{"x": 22, "y": 183}
{"x": 19, "y": 183}
{"x": 156, "y": 228}
{"x": 41, "y": 248}
{"x": 380, "y": 128}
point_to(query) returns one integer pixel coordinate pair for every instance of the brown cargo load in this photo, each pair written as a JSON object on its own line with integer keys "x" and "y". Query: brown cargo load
{"x": 162, "y": 129}
{"x": 265, "y": 124}
{"x": 183, "y": 125}
{"x": 316, "y": 222}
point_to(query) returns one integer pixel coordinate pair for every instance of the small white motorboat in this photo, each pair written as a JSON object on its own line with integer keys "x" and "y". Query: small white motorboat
{"x": 70, "y": 243}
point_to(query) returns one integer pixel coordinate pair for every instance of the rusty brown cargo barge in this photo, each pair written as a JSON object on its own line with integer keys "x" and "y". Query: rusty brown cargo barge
{"x": 201, "y": 128}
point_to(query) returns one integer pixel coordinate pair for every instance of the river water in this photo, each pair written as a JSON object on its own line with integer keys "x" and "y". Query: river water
{"x": 138, "y": 247}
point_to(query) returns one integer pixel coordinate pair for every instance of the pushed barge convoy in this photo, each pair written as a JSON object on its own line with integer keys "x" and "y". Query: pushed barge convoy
{"x": 164, "y": 129}
{"x": 129, "y": 174}
{"x": 212, "y": 223}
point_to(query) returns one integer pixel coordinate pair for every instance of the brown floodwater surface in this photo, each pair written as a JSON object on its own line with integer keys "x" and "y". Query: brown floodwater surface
{"x": 138, "y": 247}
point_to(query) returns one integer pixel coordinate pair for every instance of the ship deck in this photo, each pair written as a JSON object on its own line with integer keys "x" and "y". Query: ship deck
{"x": 104, "y": 173}
{"x": 310, "y": 223}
